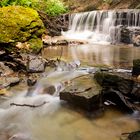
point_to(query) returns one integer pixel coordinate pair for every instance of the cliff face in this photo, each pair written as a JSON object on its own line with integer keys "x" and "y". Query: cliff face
{"x": 90, "y": 5}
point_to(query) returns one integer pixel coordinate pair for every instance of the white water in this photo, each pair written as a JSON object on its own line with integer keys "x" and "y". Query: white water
{"x": 52, "y": 121}
{"x": 16, "y": 123}
{"x": 101, "y": 27}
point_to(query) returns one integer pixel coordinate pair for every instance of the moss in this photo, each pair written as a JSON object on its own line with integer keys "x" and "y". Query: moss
{"x": 35, "y": 44}
{"x": 19, "y": 24}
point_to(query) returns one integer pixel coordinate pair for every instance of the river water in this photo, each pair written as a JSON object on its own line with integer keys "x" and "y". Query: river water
{"x": 96, "y": 55}
{"x": 56, "y": 120}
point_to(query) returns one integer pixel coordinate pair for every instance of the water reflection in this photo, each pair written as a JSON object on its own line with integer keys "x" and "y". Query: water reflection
{"x": 117, "y": 56}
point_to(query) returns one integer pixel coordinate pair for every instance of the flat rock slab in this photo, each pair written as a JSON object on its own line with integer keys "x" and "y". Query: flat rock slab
{"x": 8, "y": 81}
{"x": 83, "y": 92}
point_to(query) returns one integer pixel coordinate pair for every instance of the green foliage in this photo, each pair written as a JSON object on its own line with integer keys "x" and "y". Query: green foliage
{"x": 55, "y": 7}
{"x": 51, "y": 7}
{"x": 27, "y": 3}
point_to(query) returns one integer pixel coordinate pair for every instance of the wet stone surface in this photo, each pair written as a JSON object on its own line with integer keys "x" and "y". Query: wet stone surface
{"x": 83, "y": 92}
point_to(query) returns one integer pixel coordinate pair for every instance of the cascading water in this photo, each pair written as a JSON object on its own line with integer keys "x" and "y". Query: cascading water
{"x": 102, "y": 26}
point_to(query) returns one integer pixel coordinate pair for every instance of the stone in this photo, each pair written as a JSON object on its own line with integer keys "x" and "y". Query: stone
{"x": 115, "y": 81}
{"x": 83, "y": 93}
{"x": 20, "y": 24}
{"x": 125, "y": 35}
{"x": 119, "y": 89}
{"x": 134, "y": 136}
{"x": 136, "y": 67}
{"x": 34, "y": 63}
{"x": 136, "y": 40}
{"x": 5, "y": 70}
{"x": 56, "y": 24}
{"x": 8, "y": 81}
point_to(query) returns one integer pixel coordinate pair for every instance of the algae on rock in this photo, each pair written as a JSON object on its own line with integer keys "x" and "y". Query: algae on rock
{"x": 20, "y": 24}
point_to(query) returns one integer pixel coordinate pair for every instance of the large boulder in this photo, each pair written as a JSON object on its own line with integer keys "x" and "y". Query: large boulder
{"x": 20, "y": 24}
{"x": 119, "y": 89}
{"x": 84, "y": 93}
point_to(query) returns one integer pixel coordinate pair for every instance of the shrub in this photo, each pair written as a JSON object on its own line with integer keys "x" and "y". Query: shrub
{"x": 55, "y": 7}
{"x": 51, "y": 7}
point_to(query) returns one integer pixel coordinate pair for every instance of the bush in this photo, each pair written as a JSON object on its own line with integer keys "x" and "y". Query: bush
{"x": 51, "y": 7}
{"x": 55, "y": 7}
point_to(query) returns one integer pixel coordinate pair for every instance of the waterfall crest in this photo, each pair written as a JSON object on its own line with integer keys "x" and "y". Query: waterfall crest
{"x": 102, "y": 26}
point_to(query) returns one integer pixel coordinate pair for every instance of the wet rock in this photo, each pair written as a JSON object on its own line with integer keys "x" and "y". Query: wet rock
{"x": 115, "y": 81}
{"x": 31, "y": 82}
{"x": 5, "y": 70}
{"x": 125, "y": 35}
{"x": 136, "y": 40}
{"x": 50, "y": 89}
{"x": 122, "y": 91}
{"x": 84, "y": 93}
{"x": 55, "y": 25}
{"x": 51, "y": 41}
{"x": 136, "y": 67}
{"x": 134, "y": 136}
{"x": 35, "y": 63}
{"x": 65, "y": 66}
{"x": 8, "y": 82}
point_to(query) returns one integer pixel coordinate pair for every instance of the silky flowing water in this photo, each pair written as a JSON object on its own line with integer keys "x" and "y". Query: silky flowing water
{"x": 57, "y": 120}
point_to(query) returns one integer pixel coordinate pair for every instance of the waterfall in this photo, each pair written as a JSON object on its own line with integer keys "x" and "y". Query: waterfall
{"x": 102, "y": 26}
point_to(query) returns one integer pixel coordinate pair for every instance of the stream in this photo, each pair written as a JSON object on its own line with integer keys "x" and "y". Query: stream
{"x": 57, "y": 120}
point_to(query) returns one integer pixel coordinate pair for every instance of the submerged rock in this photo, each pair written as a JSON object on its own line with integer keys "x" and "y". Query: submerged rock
{"x": 84, "y": 93}
{"x": 20, "y": 24}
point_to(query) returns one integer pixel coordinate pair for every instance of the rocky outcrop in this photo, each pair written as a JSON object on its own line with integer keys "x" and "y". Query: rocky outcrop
{"x": 20, "y": 24}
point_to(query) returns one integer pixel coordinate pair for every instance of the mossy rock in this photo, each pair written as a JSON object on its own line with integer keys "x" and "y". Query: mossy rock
{"x": 19, "y": 24}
